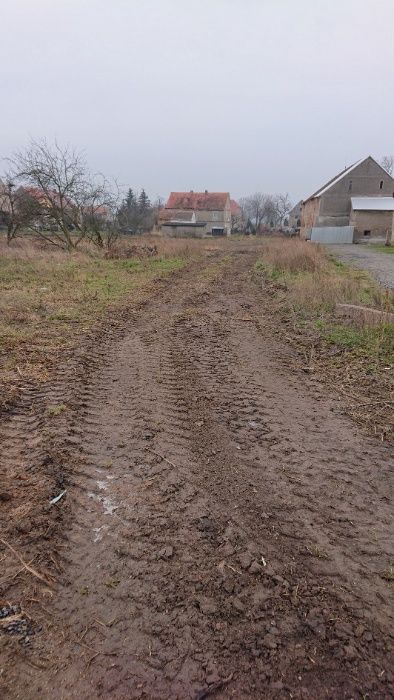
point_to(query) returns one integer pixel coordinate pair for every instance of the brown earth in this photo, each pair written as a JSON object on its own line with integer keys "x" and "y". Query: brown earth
{"x": 225, "y": 533}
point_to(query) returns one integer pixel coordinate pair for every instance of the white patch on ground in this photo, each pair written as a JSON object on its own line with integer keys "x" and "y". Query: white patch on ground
{"x": 108, "y": 505}
{"x": 98, "y": 532}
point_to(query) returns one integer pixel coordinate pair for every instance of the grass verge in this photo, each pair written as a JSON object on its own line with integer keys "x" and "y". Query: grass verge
{"x": 307, "y": 284}
{"x": 383, "y": 248}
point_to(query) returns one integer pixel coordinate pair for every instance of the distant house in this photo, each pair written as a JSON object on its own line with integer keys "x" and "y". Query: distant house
{"x": 47, "y": 200}
{"x": 326, "y": 214}
{"x": 196, "y": 214}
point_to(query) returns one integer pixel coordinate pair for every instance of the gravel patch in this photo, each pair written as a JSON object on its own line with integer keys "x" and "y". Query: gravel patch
{"x": 379, "y": 265}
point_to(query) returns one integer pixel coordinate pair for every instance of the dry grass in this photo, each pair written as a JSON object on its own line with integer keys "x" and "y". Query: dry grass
{"x": 28, "y": 248}
{"x": 306, "y": 283}
{"x": 292, "y": 255}
{"x": 315, "y": 282}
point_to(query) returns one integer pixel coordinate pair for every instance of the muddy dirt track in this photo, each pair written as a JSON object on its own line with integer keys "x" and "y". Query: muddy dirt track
{"x": 225, "y": 529}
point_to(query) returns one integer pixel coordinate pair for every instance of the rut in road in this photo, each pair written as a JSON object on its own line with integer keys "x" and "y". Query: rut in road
{"x": 230, "y": 527}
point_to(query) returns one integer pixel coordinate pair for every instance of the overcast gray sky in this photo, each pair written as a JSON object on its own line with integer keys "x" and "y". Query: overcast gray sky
{"x": 238, "y": 95}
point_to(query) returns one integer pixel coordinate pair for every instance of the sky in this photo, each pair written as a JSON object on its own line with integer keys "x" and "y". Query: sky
{"x": 224, "y": 95}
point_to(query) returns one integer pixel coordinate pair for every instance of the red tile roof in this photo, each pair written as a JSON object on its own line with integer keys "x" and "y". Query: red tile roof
{"x": 46, "y": 199}
{"x": 179, "y": 215}
{"x": 209, "y": 201}
{"x": 235, "y": 208}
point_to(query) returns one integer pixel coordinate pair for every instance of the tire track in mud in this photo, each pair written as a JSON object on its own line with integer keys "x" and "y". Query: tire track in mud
{"x": 203, "y": 556}
{"x": 259, "y": 420}
{"x": 31, "y": 472}
{"x": 266, "y": 420}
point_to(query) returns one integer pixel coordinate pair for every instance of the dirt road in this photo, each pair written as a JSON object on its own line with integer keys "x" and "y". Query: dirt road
{"x": 227, "y": 528}
{"x": 379, "y": 265}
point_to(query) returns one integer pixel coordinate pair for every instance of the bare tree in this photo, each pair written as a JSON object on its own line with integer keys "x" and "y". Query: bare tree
{"x": 99, "y": 212}
{"x": 283, "y": 206}
{"x": 237, "y": 221}
{"x": 58, "y": 179}
{"x": 268, "y": 209}
{"x": 17, "y": 207}
{"x": 387, "y": 163}
{"x": 270, "y": 213}
{"x": 243, "y": 205}
{"x": 254, "y": 208}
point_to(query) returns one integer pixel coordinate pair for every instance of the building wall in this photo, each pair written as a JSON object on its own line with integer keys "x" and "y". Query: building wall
{"x": 335, "y": 204}
{"x": 309, "y": 215}
{"x": 379, "y": 223}
{"x": 211, "y": 219}
{"x": 294, "y": 216}
{"x": 182, "y": 231}
{"x": 186, "y": 231}
{"x": 218, "y": 219}
{"x": 227, "y": 216}
{"x": 362, "y": 181}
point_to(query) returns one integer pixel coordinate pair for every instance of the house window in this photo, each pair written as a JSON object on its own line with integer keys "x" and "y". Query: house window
{"x": 367, "y": 233}
{"x": 381, "y": 185}
{"x": 350, "y": 185}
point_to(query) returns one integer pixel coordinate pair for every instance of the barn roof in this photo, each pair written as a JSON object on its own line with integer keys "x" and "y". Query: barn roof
{"x": 335, "y": 179}
{"x": 209, "y": 201}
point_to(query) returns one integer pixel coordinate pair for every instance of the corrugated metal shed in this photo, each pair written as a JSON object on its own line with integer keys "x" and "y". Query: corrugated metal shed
{"x": 373, "y": 203}
{"x": 332, "y": 234}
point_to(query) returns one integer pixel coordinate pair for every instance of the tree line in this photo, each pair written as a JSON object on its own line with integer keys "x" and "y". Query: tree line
{"x": 261, "y": 211}
{"x": 49, "y": 191}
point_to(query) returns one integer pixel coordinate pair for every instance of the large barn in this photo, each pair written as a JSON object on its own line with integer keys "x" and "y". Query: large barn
{"x": 328, "y": 216}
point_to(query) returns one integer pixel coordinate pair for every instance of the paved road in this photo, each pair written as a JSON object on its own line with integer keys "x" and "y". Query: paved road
{"x": 379, "y": 265}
